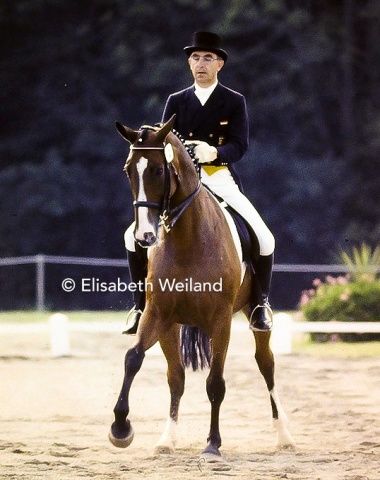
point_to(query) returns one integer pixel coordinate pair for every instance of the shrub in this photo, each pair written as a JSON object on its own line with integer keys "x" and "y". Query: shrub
{"x": 363, "y": 263}
{"x": 354, "y": 297}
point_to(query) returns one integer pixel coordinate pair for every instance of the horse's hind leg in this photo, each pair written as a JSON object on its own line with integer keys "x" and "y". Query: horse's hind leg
{"x": 215, "y": 385}
{"x": 265, "y": 362}
{"x": 176, "y": 379}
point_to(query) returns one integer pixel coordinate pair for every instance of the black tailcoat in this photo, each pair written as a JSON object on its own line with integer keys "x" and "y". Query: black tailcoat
{"x": 221, "y": 122}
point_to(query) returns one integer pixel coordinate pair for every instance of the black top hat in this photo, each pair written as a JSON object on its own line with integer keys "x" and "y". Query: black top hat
{"x": 208, "y": 42}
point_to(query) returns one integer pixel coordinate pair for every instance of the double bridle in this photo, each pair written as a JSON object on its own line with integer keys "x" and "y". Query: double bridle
{"x": 164, "y": 206}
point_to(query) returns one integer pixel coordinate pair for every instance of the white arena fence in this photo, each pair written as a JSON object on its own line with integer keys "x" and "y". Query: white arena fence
{"x": 58, "y": 330}
{"x": 284, "y": 326}
{"x": 41, "y": 261}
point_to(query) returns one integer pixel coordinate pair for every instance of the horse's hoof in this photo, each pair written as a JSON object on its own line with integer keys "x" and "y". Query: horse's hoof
{"x": 163, "y": 450}
{"x": 211, "y": 453}
{"x": 121, "y": 442}
{"x": 284, "y": 439}
{"x": 291, "y": 447}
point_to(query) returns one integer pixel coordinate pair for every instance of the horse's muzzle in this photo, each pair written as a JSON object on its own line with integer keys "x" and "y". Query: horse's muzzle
{"x": 149, "y": 239}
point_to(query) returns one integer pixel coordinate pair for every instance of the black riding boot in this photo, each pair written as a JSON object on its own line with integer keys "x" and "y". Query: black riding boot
{"x": 261, "y": 319}
{"x": 137, "y": 262}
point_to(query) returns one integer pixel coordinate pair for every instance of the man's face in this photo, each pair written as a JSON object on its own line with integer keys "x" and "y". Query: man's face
{"x": 205, "y": 67}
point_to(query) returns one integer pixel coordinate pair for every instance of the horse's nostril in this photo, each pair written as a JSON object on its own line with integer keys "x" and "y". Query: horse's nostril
{"x": 145, "y": 238}
{"x": 149, "y": 238}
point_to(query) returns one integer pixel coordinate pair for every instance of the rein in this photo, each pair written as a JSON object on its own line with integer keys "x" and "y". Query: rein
{"x": 164, "y": 206}
{"x": 164, "y": 216}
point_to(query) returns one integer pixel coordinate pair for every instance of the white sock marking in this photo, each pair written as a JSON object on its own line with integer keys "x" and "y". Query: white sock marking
{"x": 283, "y": 435}
{"x": 168, "y": 437}
{"x": 144, "y": 225}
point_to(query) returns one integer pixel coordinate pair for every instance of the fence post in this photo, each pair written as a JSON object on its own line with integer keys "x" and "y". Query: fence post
{"x": 40, "y": 282}
{"x": 59, "y": 335}
{"x": 281, "y": 339}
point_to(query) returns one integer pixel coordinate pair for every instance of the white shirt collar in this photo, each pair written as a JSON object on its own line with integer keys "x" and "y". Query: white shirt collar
{"x": 203, "y": 93}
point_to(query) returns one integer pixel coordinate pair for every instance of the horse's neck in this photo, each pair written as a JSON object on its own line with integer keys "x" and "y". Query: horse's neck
{"x": 189, "y": 225}
{"x": 188, "y": 178}
{"x": 193, "y": 226}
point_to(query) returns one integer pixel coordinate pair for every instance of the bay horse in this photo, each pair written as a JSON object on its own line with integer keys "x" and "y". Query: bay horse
{"x": 190, "y": 245}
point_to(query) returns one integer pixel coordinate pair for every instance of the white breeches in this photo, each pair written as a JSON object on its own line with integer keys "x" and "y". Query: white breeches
{"x": 222, "y": 183}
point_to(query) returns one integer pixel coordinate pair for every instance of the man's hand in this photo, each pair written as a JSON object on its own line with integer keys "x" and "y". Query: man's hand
{"x": 205, "y": 153}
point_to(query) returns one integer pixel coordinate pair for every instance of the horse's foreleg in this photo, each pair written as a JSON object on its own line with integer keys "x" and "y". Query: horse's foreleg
{"x": 216, "y": 388}
{"x": 265, "y": 362}
{"x": 176, "y": 380}
{"x": 121, "y": 434}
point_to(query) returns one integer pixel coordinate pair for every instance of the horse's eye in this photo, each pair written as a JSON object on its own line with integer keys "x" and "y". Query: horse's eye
{"x": 159, "y": 171}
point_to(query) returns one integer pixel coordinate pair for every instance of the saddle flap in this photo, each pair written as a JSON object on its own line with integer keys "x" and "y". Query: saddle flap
{"x": 250, "y": 247}
{"x": 248, "y": 239}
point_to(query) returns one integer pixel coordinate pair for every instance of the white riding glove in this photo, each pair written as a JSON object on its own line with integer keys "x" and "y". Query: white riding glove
{"x": 205, "y": 153}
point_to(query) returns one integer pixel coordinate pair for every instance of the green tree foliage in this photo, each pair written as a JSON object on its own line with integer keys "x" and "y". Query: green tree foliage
{"x": 56, "y": 207}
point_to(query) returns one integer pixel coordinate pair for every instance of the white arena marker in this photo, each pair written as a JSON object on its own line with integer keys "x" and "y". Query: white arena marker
{"x": 281, "y": 338}
{"x": 59, "y": 335}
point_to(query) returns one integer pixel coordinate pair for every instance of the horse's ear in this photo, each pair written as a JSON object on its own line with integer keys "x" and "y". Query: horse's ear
{"x": 165, "y": 129}
{"x": 127, "y": 133}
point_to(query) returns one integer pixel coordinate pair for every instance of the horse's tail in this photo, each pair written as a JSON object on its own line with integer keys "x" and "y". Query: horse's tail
{"x": 195, "y": 348}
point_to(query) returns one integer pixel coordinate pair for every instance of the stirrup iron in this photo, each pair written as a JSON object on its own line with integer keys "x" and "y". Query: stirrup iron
{"x": 133, "y": 320}
{"x": 261, "y": 319}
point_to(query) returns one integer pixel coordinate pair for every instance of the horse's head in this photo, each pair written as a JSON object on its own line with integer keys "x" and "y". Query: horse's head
{"x": 152, "y": 175}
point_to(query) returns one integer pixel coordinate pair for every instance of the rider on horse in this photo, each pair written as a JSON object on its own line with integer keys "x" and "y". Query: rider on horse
{"x": 214, "y": 118}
